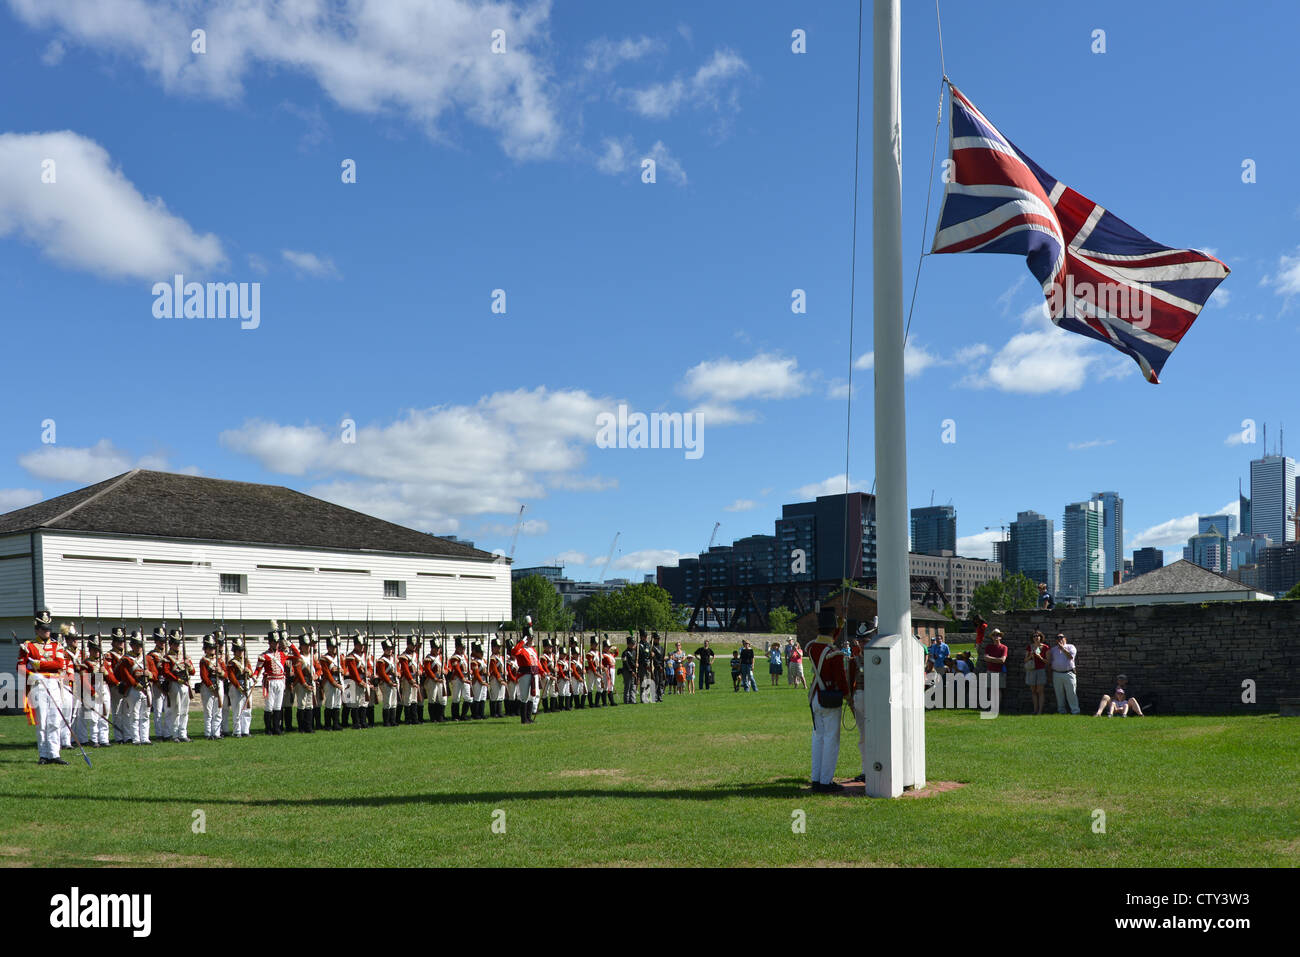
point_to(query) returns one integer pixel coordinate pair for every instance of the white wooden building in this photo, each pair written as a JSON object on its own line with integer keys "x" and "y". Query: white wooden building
{"x": 149, "y": 546}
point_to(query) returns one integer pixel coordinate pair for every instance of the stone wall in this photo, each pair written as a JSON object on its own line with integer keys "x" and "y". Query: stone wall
{"x": 1183, "y": 659}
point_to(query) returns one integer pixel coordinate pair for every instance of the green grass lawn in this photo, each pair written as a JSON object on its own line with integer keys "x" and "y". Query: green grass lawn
{"x": 712, "y": 779}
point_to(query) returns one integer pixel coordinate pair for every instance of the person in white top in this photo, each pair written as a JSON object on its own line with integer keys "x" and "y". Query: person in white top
{"x": 1061, "y": 660}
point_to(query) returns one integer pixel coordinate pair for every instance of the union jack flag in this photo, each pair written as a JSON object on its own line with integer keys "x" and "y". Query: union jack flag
{"x": 1101, "y": 277}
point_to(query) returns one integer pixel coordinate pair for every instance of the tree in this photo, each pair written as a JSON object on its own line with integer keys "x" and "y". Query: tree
{"x": 1294, "y": 593}
{"x": 635, "y": 607}
{"x": 536, "y": 596}
{"x": 1014, "y": 593}
{"x": 782, "y": 621}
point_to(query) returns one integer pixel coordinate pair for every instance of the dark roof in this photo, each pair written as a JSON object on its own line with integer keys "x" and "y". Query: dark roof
{"x": 1179, "y": 578}
{"x": 919, "y": 612}
{"x": 166, "y": 505}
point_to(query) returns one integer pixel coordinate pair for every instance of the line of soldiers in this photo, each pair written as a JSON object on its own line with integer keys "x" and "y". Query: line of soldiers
{"x": 105, "y": 697}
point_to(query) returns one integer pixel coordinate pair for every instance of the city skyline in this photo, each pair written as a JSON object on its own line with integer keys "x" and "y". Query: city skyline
{"x": 720, "y": 290}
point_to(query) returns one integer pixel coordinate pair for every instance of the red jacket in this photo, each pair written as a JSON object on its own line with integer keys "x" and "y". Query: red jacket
{"x": 833, "y": 665}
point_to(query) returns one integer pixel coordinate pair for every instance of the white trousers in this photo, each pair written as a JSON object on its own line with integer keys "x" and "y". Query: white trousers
{"x": 178, "y": 708}
{"x": 227, "y": 708}
{"x": 333, "y": 697}
{"x": 241, "y": 710}
{"x": 496, "y": 691}
{"x": 859, "y": 717}
{"x": 459, "y": 691}
{"x": 43, "y": 695}
{"x": 526, "y": 693}
{"x": 117, "y": 713}
{"x": 434, "y": 693}
{"x": 274, "y": 695}
{"x": 137, "y": 716}
{"x": 387, "y": 695}
{"x": 592, "y": 681}
{"x": 478, "y": 692}
{"x": 211, "y": 712}
{"x": 304, "y": 696}
{"x": 161, "y": 723}
{"x": 825, "y": 743}
{"x": 409, "y": 693}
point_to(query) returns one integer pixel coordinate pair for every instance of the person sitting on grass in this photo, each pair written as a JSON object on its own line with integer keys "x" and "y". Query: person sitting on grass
{"x": 735, "y": 670}
{"x": 1120, "y": 693}
{"x": 1118, "y": 704}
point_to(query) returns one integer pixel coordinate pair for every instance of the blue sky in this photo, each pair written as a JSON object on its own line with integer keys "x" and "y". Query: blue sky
{"x": 521, "y": 171}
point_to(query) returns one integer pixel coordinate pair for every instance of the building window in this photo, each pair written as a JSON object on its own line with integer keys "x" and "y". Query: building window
{"x": 394, "y": 589}
{"x": 234, "y": 584}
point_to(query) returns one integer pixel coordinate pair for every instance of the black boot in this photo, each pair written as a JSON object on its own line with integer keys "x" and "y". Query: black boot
{"x": 266, "y": 721}
{"x": 418, "y": 710}
{"x": 609, "y": 696}
{"x": 523, "y": 714}
{"x": 346, "y": 714}
{"x": 338, "y": 718}
{"x": 286, "y": 718}
{"x": 317, "y": 714}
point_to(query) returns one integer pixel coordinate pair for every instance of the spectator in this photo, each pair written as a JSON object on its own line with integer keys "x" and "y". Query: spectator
{"x": 690, "y": 676}
{"x": 1062, "y": 660}
{"x": 995, "y": 657}
{"x": 794, "y": 661}
{"x": 789, "y": 672}
{"x": 774, "y": 662}
{"x": 964, "y": 665}
{"x": 980, "y": 627}
{"x": 940, "y": 651}
{"x": 680, "y": 668}
{"x": 1120, "y": 689}
{"x": 1036, "y": 670}
{"x": 1045, "y": 597}
{"x": 706, "y": 655}
{"x": 747, "y": 682}
{"x": 735, "y": 670}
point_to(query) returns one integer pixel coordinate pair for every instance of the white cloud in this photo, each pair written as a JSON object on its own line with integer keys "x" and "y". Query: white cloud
{"x": 1235, "y": 438}
{"x": 432, "y": 466}
{"x": 532, "y": 526}
{"x": 979, "y": 545}
{"x": 420, "y": 59}
{"x": 1286, "y": 281}
{"x": 741, "y": 505}
{"x": 621, "y": 155}
{"x": 309, "y": 264}
{"x": 92, "y": 217}
{"x": 644, "y": 560}
{"x": 839, "y": 389}
{"x": 604, "y": 54}
{"x": 831, "y": 486}
{"x": 12, "y": 498}
{"x": 712, "y": 86}
{"x": 1090, "y": 444}
{"x": 53, "y": 54}
{"x": 1048, "y": 359}
{"x": 567, "y": 558}
{"x": 1220, "y": 297}
{"x": 765, "y": 376}
{"x": 257, "y": 264}
{"x": 88, "y": 465}
{"x": 917, "y": 358}
{"x": 1175, "y": 532}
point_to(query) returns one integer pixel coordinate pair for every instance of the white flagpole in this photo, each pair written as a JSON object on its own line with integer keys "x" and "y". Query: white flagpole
{"x": 894, "y": 750}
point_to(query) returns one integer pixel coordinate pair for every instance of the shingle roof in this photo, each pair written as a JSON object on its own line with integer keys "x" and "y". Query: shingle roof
{"x": 1180, "y": 577}
{"x": 166, "y": 505}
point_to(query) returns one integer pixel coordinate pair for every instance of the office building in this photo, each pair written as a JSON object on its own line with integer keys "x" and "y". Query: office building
{"x": 1112, "y": 536}
{"x": 1272, "y": 497}
{"x": 1081, "y": 572}
{"x": 1033, "y": 547}
{"x": 934, "y": 530}
{"x": 1147, "y": 560}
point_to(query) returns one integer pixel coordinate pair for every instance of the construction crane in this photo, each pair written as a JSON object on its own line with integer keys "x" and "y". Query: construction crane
{"x": 714, "y": 536}
{"x": 515, "y": 537}
{"x": 608, "y": 558}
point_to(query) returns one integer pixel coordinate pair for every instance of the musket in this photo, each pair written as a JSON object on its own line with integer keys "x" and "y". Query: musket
{"x": 54, "y": 704}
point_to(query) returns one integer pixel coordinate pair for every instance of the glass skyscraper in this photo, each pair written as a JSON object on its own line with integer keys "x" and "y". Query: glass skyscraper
{"x": 1272, "y": 497}
{"x": 934, "y": 530}
{"x": 1112, "y": 535}
{"x": 1085, "y": 560}
{"x": 1032, "y": 550}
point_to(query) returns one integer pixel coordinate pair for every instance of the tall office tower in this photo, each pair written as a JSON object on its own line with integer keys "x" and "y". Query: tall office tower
{"x": 934, "y": 530}
{"x": 1032, "y": 549}
{"x": 1272, "y": 497}
{"x": 1082, "y": 570}
{"x": 1112, "y": 535}
{"x": 1147, "y": 560}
